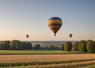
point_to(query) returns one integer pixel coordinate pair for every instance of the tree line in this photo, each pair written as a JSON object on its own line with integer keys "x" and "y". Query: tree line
{"x": 23, "y": 45}
{"x": 15, "y": 45}
{"x": 81, "y": 46}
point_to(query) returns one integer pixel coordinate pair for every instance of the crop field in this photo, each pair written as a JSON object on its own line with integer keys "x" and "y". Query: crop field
{"x": 28, "y": 58}
{"x": 45, "y": 60}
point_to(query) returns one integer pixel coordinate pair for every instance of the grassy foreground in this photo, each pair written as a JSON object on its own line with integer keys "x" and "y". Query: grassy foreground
{"x": 35, "y": 52}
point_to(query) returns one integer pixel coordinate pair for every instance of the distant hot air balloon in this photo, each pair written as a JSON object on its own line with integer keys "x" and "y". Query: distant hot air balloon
{"x": 27, "y": 35}
{"x": 70, "y": 35}
{"x": 54, "y": 23}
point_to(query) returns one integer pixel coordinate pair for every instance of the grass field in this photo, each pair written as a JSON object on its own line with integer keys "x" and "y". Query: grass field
{"x": 35, "y": 52}
{"x": 45, "y": 59}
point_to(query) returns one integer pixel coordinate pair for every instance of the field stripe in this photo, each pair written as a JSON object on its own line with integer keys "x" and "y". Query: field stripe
{"x": 74, "y": 62}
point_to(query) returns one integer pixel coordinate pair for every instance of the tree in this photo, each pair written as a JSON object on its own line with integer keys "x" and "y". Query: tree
{"x": 90, "y": 46}
{"x": 5, "y": 45}
{"x": 82, "y": 46}
{"x": 37, "y": 46}
{"x": 62, "y": 47}
{"x": 67, "y": 46}
{"x": 26, "y": 45}
{"x": 76, "y": 46}
{"x": 16, "y": 45}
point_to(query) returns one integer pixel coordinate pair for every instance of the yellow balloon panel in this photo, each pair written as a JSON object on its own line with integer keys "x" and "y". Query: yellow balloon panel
{"x": 54, "y": 21}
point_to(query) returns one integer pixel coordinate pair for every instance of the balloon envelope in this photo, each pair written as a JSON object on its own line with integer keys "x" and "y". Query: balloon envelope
{"x": 54, "y": 23}
{"x": 70, "y": 35}
{"x": 27, "y": 36}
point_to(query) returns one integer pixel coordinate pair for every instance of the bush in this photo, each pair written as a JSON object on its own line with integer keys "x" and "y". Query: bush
{"x": 67, "y": 46}
{"x": 82, "y": 46}
{"x": 90, "y": 46}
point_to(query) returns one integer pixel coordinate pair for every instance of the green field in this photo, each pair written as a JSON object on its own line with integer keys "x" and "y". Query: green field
{"x": 35, "y": 52}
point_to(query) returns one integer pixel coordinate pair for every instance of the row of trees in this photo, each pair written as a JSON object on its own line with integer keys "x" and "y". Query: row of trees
{"x": 21, "y": 45}
{"x": 82, "y": 46}
{"x": 15, "y": 45}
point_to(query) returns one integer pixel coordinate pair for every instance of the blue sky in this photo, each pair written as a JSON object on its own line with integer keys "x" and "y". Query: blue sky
{"x": 19, "y": 17}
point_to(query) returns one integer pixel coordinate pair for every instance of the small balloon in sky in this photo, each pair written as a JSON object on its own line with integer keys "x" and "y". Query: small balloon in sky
{"x": 70, "y": 35}
{"x": 55, "y": 23}
{"x": 27, "y": 35}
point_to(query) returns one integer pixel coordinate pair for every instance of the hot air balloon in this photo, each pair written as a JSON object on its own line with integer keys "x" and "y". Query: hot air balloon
{"x": 70, "y": 35}
{"x": 27, "y": 35}
{"x": 54, "y": 23}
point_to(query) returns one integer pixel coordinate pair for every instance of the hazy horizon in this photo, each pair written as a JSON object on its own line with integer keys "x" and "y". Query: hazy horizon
{"x": 21, "y": 17}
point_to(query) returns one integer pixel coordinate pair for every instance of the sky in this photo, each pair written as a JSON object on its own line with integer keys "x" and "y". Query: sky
{"x": 21, "y": 17}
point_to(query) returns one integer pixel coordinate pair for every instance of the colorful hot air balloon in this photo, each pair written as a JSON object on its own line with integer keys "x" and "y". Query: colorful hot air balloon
{"x": 27, "y": 35}
{"x": 54, "y": 24}
{"x": 70, "y": 35}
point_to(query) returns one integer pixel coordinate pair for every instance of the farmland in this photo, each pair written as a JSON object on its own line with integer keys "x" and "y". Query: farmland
{"x": 35, "y": 52}
{"x": 44, "y": 59}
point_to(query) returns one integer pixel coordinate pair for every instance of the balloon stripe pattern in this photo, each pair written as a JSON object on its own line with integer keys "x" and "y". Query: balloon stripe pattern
{"x": 54, "y": 24}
